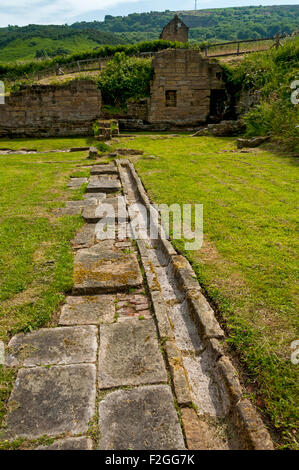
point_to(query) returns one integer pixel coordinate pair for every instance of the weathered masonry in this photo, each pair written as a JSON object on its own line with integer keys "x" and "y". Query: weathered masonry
{"x": 186, "y": 90}
{"x": 175, "y": 30}
{"x": 51, "y": 110}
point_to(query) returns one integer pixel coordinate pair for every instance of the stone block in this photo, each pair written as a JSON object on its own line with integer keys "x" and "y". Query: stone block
{"x": 203, "y": 315}
{"x": 130, "y": 355}
{"x": 106, "y": 185}
{"x": 99, "y": 270}
{"x": 53, "y": 346}
{"x": 87, "y": 310}
{"x": 199, "y": 434}
{"x": 71, "y": 443}
{"x": 140, "y": 419}
{"x": 104, "y": 170}
{"x": 51, "y": 401}
{"x": 77, "y": 182}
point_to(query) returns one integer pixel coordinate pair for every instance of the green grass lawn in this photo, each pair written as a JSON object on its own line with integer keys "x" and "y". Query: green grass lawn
{"x": 42, "y": 145}
{"x": 248, "y": 263}
{"x": 35, "y": 252}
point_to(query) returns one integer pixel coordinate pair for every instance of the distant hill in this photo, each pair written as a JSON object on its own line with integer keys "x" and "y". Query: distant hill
{"x": 215, "y": 24}
{"x": 224, "y": 24}
{"x": 34, "y": 41}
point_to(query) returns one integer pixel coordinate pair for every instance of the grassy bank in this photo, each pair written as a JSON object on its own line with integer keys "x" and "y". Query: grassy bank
{"x": 248, "y": 262}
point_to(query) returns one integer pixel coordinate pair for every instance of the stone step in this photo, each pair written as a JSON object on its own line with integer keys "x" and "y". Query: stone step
{"x": 76, "y": 207}
{"x": 97, "y": 196}
{"x": 98, "y": 184}
{"x": 104, "y": 169}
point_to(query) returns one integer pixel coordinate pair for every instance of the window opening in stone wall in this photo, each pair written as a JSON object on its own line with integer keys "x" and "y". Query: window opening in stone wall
{"x": 170, "y": 96}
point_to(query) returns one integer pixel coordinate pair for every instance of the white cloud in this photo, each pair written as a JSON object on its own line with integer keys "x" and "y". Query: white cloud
{"x": 22, "y": 12}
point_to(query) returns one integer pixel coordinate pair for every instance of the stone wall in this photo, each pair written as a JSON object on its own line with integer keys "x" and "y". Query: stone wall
{"x": 138, "y": 109}
{"x": 51, "y": 110}
{"x": 184, "y": 87}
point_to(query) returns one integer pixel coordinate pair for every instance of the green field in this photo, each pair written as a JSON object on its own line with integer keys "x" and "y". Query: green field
{"x": 26, "y": 49}
{"x": 248, "y": 264}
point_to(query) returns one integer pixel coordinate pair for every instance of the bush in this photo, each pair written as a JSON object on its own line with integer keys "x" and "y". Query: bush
{"x": 125, "y": 77}
{"x": 270, "y": 74}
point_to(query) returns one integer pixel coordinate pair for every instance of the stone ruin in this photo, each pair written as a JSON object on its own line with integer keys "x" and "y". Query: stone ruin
{"x": 51, "y": 110}
{"x": 175, "y": 30}
{"x": 187, "y": 91}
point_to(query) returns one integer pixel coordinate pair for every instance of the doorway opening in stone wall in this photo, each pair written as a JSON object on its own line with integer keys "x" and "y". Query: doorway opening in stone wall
{"x": 218, "y": 100}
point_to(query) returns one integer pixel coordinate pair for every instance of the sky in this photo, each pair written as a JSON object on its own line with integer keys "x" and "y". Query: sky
{"x": 23, "y": 12}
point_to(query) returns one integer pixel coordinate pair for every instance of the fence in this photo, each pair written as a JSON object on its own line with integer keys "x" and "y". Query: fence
{"x": 85, "y": 65}
{"x": 210, "y": 50}
{"x": 226, "y": 49}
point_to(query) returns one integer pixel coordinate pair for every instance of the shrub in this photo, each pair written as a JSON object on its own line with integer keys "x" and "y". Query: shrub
{"x": 125, "y": 77}
{"x": 270, "y": 74}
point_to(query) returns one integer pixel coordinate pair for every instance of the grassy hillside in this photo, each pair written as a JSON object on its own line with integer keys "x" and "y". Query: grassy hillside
{"x": 223, "y": 24}
{"x": 43, "y": 42}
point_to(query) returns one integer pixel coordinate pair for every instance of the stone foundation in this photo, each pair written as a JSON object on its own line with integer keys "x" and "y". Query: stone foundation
{"x": 51, "y": 110}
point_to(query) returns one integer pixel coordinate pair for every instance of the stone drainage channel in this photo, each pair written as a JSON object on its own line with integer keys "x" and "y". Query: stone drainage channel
{"x": 137, "y": 361}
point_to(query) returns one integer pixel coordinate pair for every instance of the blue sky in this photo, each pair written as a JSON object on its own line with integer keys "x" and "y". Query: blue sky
{"x": 22, "y": 12}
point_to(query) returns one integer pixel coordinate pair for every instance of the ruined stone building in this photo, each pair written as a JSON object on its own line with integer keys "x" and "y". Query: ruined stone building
{"x": 186, "y": 90}
{"x": 51, "y": 110}
{"x": 175, "y": 30}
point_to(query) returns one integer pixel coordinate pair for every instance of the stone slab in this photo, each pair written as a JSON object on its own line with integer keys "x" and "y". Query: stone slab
{"x": 82, "y": 203}
{"x": 76, "y": 207}
{"x": 98, "y": 269}
{"x": 52, "y": 401}
{"x": 203, "y": 315}
{"x": 85, "y": 237}
{"x": 100, "y": 184}
{"x": 72, "y": 443}
{"x": 104, "y": 169}
{"x": 53, "y": 346}
{"x": 88, "y": 310}
{"x": 129, "y": 354}
{"x": 77, "y": 182}
{"x": 97, "y": 196}
{"x": 205, "y": 391}
{"x": 140, "y": 419}
{"x": 113, "y": 209}
{"x": 199, "y": 434}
